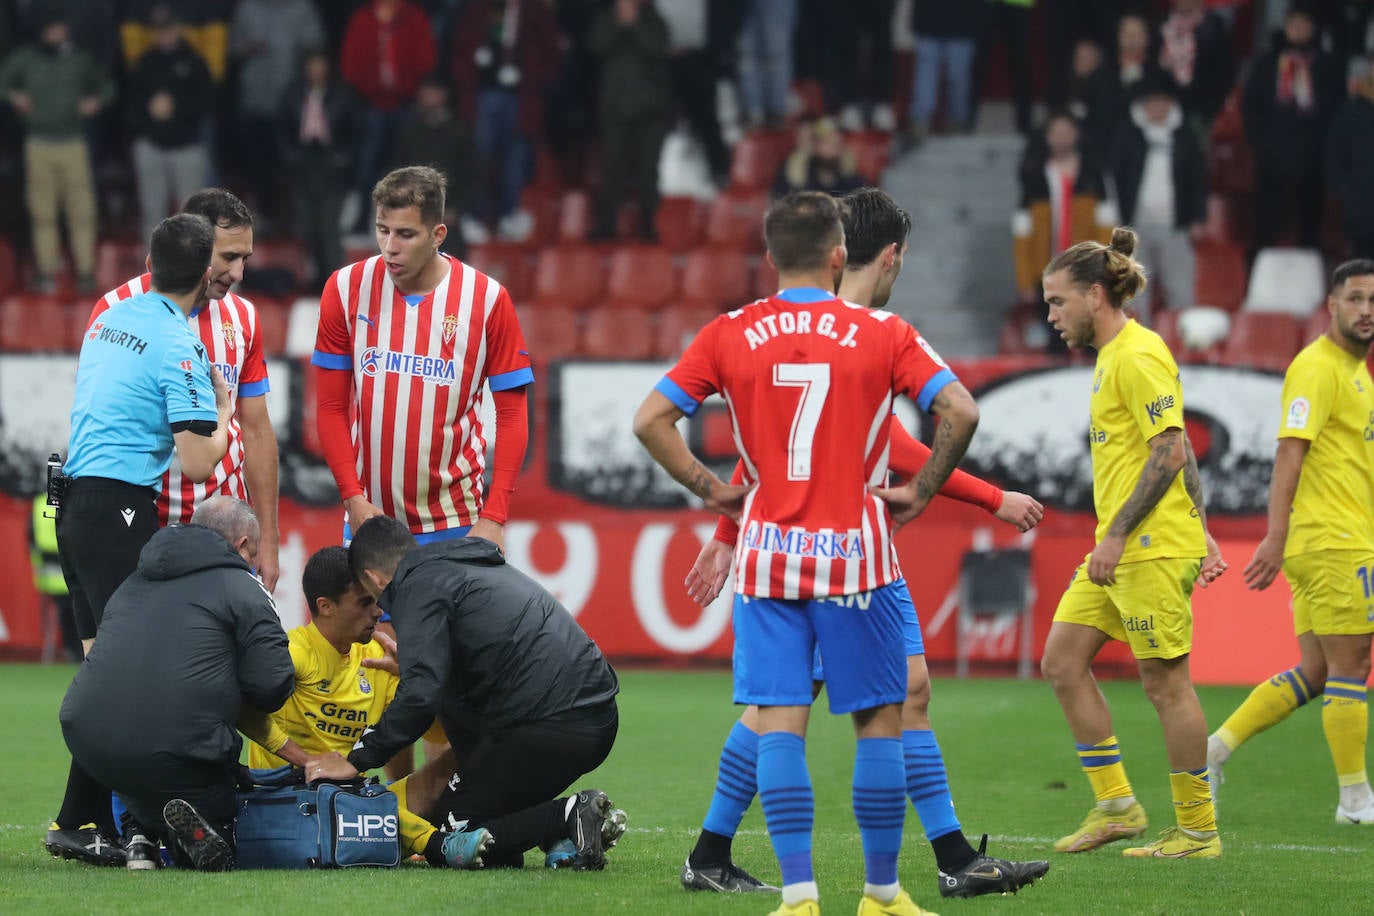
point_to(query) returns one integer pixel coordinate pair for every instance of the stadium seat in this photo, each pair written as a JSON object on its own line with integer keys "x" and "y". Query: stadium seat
{"x": 551, "y": 332}
{"x": 735, "y": 220}
{"x": 41, "y": 324}
{"x": 1263, "y": 340}
{"x": 679, "y": 222}
{"x": 1230, "y": 166}
{"x": 872, "y": 151}
{"x": 571, "y": 274}
{"x": 575, "y": 216}
{"x": 1220, "y": 277}
{"x": 117, "y": 261}
{"x": 281, "y": 254}
{"x": 677, "y": 325}
{"x": 273, "y": 318}
{"x": 9, "y": 267}
{"x": 765, "y": 279}
{"x": 508, "y": 263}
{"x": 755, "y": 163}
{"x": 610, "y": 333}
{"x": 1288, "y": 280}
{"x": 1317, "y": 323}
{"x": 545, "y": 206}
{"x": 641, "y": 277}
{"x": 1165, "y": 324}
{"x": 717, "y": 276}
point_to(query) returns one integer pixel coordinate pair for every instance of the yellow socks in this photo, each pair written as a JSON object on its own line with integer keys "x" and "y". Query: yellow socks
{"x": 1268, "y": 705}
{"x": 1345, "y": 719}
{"x": 1102, "y": 764}
{"x": 1193, "y": 800}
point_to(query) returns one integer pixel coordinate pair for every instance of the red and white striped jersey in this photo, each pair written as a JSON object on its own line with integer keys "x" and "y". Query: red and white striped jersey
{"x": 419, "y": 365}
{"x": 229, "y": 329}
{"x": 809, "y": 380}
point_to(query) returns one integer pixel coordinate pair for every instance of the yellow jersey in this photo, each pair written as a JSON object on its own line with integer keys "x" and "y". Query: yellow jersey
{"x": 335, "y": 698}
{"x": 1136, "y": 396}
{"x": 1328, "y": 399}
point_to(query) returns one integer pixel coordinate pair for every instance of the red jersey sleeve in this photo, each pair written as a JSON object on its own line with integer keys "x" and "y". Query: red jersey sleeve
{"x": 253, "y": 376}
{"x": 918, "y": 371}
{"x": 508, "y": 359}
{"x": 909, "y": 454}
{"x": 695, "y": 377}
{"x": 333, "y": 339}
{"x": 727, "y": 529}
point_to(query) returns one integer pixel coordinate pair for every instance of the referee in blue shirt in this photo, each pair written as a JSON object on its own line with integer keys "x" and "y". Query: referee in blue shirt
{"x": 144, "y": 385}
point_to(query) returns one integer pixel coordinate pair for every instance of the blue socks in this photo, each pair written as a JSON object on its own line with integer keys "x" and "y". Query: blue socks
{"x": 789, "y": 806}
{"x": 736, "y": 784}
{"x": 880, "y": 806}
{"x": 927, "y": 785}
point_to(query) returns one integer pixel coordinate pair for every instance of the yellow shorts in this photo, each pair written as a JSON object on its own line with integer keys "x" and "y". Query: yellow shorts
{"x": 1148, "y": 608}
{"x": 1332, "y": 592}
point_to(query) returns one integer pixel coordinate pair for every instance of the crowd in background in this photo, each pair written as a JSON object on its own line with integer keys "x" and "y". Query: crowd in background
{"x": 301, "y": 105}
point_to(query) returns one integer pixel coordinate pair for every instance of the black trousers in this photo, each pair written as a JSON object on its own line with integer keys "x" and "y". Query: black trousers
{"x": 629, "y": 156}
{"x": 509, "y": 781}
{"x": 858, "y": 40}
{"x": 694, "y": 83}
{"x": 101, "y": 529}
{"x": 1282, "y": 200}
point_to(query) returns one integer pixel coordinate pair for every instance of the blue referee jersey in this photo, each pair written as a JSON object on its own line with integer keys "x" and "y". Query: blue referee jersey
{"x": 141, "y": 370}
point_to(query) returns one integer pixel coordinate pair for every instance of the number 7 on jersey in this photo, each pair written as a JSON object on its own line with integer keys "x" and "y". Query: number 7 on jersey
{"x": 814, "y": 381}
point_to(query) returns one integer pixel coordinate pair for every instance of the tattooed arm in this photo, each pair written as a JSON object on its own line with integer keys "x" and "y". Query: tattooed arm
{"x": 656, "y": 426}
{"x": 1168, "y": 455}
{"x": 956, "y": 418}
{"x": 1212, "y": 563}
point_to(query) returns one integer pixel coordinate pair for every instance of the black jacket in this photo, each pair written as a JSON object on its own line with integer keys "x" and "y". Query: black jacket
{"x": 482, "y": 646}
{"x": 1127, "y": 166}
{"x": 1349, "y": 168}
{"x": 305, "y": 160}
{"x": 185, "y": 643}
{"x": 183, "y": 74}
{"x": 1214, "y": 68}
{"x": 1285, "y": 139}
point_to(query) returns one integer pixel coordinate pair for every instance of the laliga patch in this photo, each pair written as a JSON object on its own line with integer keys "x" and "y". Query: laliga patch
{"x": 1297, "y": 414}
{"x": 930, "y": 351}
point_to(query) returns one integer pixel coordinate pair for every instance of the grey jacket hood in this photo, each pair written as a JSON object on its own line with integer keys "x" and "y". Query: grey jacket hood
{"x": 185, "y": 549}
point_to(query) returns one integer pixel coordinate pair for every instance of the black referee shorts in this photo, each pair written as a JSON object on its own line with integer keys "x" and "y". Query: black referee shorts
{"x": 101, "y": 529}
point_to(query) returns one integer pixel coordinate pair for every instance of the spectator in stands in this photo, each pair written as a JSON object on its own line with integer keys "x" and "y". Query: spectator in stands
{"x": 1160, "y": 174}
{"x": 1349, "y": 166}
{"x": 1063, "y": 202}
{"x": 859, "y": 44}
{"x": 268, "y": 39}
{"x": 1290, "y": 94}
{"x": 1344, "y": 26}
{"x": 387, "y": 50}
{"x": 1195, "y": 49}
{"x": 1064, "y": 23}
{"x": 204, "y": 26}
{"x": 631, "y": 39}
{"x": 54, "y": 88}
{"x": 169, "y": 95}
{"x": 946, "y": 38}
{"x": 316, "y": 123}
{"x": 505, "y": 58}
{"x": 765, "y": 60}
{"x": 820, "y": 162}
{"x": 1093, "y": 98}
{"x": 1010, "y": 21}
{"x": 432, "y": 135}
{"x": 696, "y": 64}
{"x": 572, "y": 99}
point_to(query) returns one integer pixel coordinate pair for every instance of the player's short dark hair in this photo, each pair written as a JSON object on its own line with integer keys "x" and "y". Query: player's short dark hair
{"x": 326, "y": 575}
{"x": 800, "y": 229}
{"x": 379, "y": 543}
{"x": 418, "y": 186}
{"x": 1360, "y": 267}
{"x": 180, "y": 250}
{"x": 872, "y": 221}
{"x": 220, "y": 207}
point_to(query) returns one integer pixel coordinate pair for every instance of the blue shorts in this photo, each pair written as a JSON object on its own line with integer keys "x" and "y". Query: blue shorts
{"x": 911, "y": 631}
{"x": 860, "y": 635}
{"x": 426, "y": 537}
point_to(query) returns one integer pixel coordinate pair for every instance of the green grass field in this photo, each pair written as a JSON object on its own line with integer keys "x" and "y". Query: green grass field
{"x": 1011, "y": 764}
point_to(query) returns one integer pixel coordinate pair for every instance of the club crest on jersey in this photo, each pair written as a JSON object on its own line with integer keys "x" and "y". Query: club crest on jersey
{"x": 429, "y": 368}
{"x": 450, "y": 327}
{"x": 229, "y": 332}
{"x": 771, "y": 538}
{"x": 363, "y": 683}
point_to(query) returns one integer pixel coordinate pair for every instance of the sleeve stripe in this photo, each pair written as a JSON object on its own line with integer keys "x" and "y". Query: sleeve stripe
{"x": 933, "y": 387}
{"x": 681, "y": 399}
{"x": 508, "y": 380}
{"x": 254, "y": 389}
{"x": 331, "y": 360}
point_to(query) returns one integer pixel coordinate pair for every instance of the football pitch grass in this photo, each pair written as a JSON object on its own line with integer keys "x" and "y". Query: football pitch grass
{"x": 1012, "y": 768}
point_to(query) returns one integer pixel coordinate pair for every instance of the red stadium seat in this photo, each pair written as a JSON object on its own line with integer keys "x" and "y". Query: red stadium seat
{"x": 1317, "y": 323}
{"x": 551, "y": 332}
{"x": 765, "y": 279}
{"x": 618, "y": 334}
{"x": 41, "y": 324}
{"x": 1221, "y": 277}
{"x": 508, "y": 263}
{"x": 575, "y": 217}
{"x": 1263, "y": 340}
{"x": 872, "y": 151}
{"x": 718, "y": 276}
{"x": 677, "y": 325}
{"x": 735, "y": 220}
{"x": 756, "y": 159}
{"x": 679, "y": 221}
{"x": 9, "y": 267}
{"x": 571, "y": 274}
{"x": 641, "y": 277}
{"x": 1165, "y": 324}
{"x": 117, "y": 261}
{"x": 274, "y": 316}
